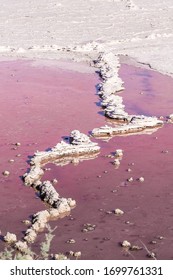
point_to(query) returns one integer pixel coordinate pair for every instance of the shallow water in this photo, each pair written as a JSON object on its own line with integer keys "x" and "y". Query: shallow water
{"x": 96, "y": 185}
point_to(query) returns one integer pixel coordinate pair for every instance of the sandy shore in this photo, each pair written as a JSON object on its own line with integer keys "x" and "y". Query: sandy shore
{"x": 140, "y": 29}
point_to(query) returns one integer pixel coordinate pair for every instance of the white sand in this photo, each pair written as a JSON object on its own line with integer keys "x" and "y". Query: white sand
{"x": 142, "y": 29}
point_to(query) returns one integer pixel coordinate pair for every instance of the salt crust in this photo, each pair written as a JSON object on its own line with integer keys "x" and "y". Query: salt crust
{"x": 80, "y": 146}
{"x": 77, "y": 146}
{"x": 113, "y": 103}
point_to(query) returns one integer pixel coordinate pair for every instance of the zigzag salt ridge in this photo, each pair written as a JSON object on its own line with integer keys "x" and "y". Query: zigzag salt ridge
{"x": 109, "y": 65}
{"x": 79, "y": 145}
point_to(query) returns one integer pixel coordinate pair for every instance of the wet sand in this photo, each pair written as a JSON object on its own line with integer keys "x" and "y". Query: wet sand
{"x": 96, "y": 185}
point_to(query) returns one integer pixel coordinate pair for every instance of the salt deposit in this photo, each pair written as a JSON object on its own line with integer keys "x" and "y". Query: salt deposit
{"x": 139, "y": 29}
{"x": 78, "y": 146}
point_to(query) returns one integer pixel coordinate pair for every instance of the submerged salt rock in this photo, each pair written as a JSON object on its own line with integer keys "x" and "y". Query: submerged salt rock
{"x": 10, "y": 237}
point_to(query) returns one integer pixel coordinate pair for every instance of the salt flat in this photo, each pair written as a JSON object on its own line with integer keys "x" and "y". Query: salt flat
{"x": 53, "y": 29}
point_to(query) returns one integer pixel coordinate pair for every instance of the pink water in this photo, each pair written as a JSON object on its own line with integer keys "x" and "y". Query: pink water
{"x": 37, "y": 125}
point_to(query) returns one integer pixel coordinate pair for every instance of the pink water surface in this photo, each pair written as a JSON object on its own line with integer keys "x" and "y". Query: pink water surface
{"x": 38, "y": 106}
{"x": 28, "y": 116}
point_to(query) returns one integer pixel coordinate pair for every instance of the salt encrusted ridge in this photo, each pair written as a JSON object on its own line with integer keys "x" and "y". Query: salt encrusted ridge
{"x": 114, "y": 109}
{"x": 111, "y": 85}
{"x": 109, "y": 65}
{"x": 77, "y": 146}
{"x": 41, "y": 218}
{"x": 138, "y": 124}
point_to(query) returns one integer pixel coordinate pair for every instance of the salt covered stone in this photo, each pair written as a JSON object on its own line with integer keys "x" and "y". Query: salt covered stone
{"x": 116, "y": 162}
{"x": 10, "y": 237}
{"x": 6, "y": 173}
{"x": 18, "y": 144}
{"x": 171, "y": 117}
{"x": 126, "y": 244}
{"x": 141, "y": 179}
{"x": 21, "y": 246}
{"x": 60, "y": 257}
{"x": 54, "y": 181}
{"x": 118, "y": 211}
{"x": 130, "y": 179}
{"x": 119, "y": 153}
{"x": 77, "y": 254}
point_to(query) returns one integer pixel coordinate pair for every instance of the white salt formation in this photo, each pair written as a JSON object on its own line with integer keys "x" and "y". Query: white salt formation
{"x": 10, "y": 237}
{"x": 40, "y": 219}
{"x": 79, "y": 147}
{"x": 113, "y": 103}
{"x": 109, "y": 66}
{"x": 138, "y": 124}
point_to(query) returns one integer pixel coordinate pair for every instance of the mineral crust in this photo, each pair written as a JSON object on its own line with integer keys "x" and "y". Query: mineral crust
{"x": 78, "y": 147}
{"x": 137, "y": 124}
{"x": 114, "y": 109}
{"x": 62, "y": 208}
